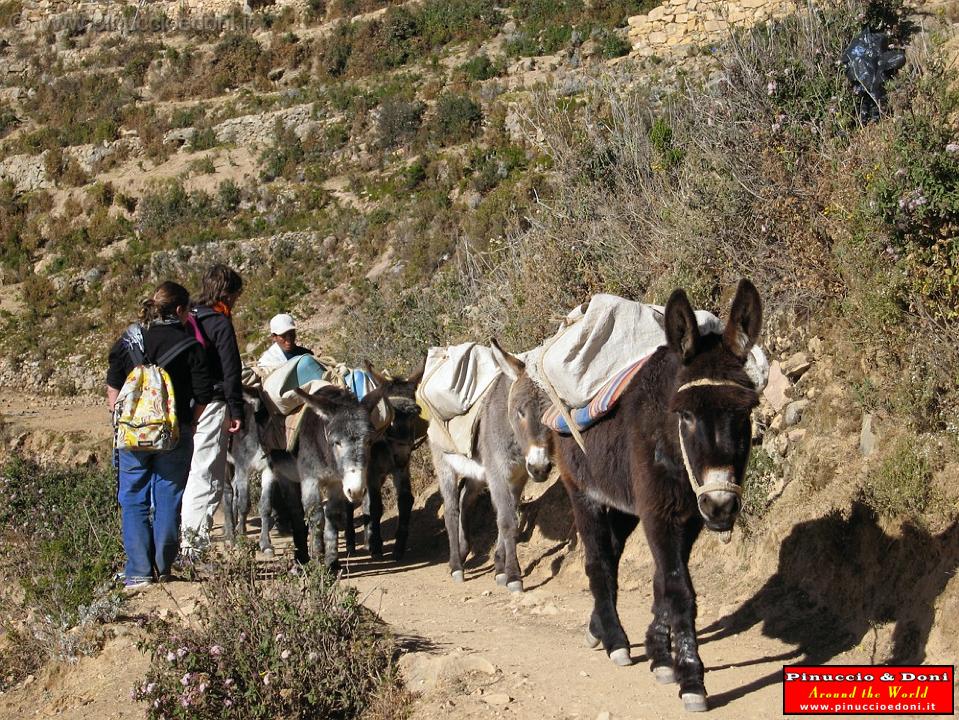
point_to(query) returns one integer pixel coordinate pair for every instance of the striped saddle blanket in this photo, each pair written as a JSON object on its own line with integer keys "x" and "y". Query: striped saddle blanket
{"x": 600, "y": 405}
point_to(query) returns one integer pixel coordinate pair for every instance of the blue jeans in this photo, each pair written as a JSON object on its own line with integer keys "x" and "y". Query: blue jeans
{"x": 153, "y": 480}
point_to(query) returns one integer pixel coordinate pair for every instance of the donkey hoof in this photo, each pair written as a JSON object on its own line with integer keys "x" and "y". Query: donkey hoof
{"x": 269, "y": 552}
{"x": 694, "y": 702}
{"x": 664, "y": 674}
{"x": 515, "y": 587}
{"x": 501, "y": 579}
{"x": 376, "y": 555}
{"x": 592, "y": 642}
{"x": 457, "y": 576}
{"x": 621, "y": 657}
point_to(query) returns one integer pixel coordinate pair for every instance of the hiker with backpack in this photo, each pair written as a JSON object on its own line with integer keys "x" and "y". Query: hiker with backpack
{"x": 157, "y": 386}
{"x": 223, "y": 416}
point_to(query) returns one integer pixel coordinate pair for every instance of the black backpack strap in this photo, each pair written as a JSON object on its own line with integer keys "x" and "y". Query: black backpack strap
{"x": 167, "y": 357}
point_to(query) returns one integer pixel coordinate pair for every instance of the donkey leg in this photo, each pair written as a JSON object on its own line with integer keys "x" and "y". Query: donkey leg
{"x": 267, "y": 484}
{"x": 330, "y": 540}
{"x": 349, "y": 530}
{"x": 404, "y": 507}
{"x": 313, "y": 511}
{"x": 677, "y": 603}
{"x": 291, "y": 498}
{"x": 594, "y": 530}
{"x": 449, "y": 488}
{"x": 469, "y": 492}
{"x": 374, "y": 534}
{"x": 505, "y": 497}
{"x": 229, "y": 511}
{"x": 241, "y": 493}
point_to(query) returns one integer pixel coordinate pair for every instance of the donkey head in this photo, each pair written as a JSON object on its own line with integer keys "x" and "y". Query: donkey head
{"x": 525, "y": 411}
{"x": 712, "y": 402}
{"x": 407, "y": 426}
{"x": 348, "y": 431}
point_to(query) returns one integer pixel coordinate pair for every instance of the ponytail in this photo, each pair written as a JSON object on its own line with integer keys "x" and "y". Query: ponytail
{"x": 163, "y": 305}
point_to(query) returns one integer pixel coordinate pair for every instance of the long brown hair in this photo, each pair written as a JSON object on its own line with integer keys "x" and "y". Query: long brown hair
{"x": 166, "y": 299}
{"x": 218, "y": 284}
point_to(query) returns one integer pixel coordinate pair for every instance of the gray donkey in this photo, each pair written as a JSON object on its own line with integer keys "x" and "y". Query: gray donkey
{"x": 512, "y": 444}
{"x": 331, "y": 463}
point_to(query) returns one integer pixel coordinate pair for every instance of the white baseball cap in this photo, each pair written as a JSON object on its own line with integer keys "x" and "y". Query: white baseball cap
{"x": 282, "y": 323}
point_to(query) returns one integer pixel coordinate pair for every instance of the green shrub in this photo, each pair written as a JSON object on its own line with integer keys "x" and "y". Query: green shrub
{"x": 902, "y": 484}
{"x": 60, "y": 541}
{"x": 203, "y": 139}
{"x": 237, "y": 59}
{"x": 294, "y": 646}
{"x": 446, "y": 21}
{"x": 457, "y": 118}
{"x": 613, "y": 45}
{"x": 480, "y": 67}
{"x": 398, "y": 122}
{"x": 760, "y": 476}
{"x": 333, "y": 53}
{"x": 282, "y": 158}
{"x": 228, "y": 195}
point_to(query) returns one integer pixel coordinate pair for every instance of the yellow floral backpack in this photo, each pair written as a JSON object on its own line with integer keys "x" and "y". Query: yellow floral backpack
{"x": 145, "y": 411}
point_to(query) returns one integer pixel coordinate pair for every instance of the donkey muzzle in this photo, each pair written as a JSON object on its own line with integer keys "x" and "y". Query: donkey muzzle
{"x": 538, "y": 464}
{"x": 718, "y": 502}
{"x": 354, "y": 485}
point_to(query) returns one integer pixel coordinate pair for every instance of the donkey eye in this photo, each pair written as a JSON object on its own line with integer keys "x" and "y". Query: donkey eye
{"x": 687, "y": 417}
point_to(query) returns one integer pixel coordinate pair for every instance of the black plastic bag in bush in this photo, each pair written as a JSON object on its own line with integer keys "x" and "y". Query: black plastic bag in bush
{"x": 869, "y": 65}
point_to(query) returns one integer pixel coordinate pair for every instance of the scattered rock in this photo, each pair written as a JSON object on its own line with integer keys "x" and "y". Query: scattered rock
{"x": 499, "y": 699}
{"x": 796, "y": 365}
{"x": 425, "y": 671}
{"x": 795, "y": 436}
{"x": 793, "y": 412}
{"x": 867, "y": 438}
{"x": 776, "y": 445}
{"x": 815, "y": 346}
{"x": 776, "y": 387}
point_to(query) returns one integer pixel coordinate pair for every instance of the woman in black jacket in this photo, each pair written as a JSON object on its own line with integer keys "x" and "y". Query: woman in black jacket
{"x": 221, "y": 287}
{"x": 158, "y": 479}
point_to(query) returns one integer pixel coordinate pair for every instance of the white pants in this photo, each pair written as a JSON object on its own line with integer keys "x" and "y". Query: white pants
{"x": 204, "y": 486}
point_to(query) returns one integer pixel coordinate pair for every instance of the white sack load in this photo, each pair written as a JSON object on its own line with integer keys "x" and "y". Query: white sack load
{"x": 455, "y": 378}
{"x": 608, "y": 334}
{"x": 302, "y": 372}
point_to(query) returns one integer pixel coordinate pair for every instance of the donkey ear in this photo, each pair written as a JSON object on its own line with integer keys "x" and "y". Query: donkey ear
{"x": 745, "y": 320}
{"x": 372, "y": 399}
{"x": 417, "y": 374}
{"x": 378, "y": 378}
{"x": 682, "y": 331}
{"x": 321, "y": 405}
{"x": 509, "y": 364}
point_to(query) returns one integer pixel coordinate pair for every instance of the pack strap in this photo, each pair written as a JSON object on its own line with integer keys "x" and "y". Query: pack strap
{"x": 174, "y": 351}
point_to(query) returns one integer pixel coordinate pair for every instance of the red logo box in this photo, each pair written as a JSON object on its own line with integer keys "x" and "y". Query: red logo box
{"x": 868, "y": 690}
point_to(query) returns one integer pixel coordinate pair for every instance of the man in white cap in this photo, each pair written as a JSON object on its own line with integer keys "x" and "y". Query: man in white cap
{"x": 284, "y": 347}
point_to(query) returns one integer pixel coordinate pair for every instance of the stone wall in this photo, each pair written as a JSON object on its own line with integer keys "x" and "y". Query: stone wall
{"x": 676, "y": 26}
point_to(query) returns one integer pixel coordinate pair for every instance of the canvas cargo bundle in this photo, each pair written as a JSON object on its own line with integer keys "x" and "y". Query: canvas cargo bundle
{"x": 286, "y": 408}
{"x": 455, "y": 378}
{"x": 605, "y": 336}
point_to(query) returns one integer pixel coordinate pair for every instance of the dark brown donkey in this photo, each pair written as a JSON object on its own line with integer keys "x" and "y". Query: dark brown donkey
{"x": 391, "y": 455}
{"x": 673, "y": 454}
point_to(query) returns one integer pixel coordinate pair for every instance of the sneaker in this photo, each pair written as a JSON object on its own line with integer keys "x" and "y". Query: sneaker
{"x": 132, "y": 586}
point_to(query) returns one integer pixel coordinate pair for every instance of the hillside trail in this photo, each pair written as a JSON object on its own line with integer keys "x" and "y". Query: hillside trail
{"x": 469, "y": 650}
